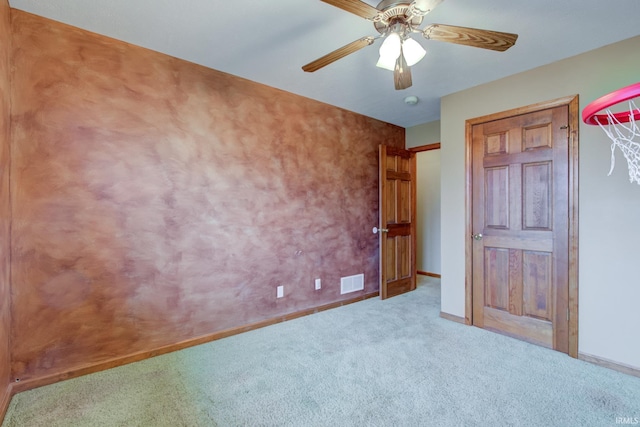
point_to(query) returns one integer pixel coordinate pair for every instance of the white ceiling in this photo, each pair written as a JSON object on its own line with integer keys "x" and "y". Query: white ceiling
{"x": 269, "y": 41}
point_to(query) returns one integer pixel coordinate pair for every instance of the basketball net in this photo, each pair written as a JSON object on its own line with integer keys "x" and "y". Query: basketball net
{"x": 626, "y": 137}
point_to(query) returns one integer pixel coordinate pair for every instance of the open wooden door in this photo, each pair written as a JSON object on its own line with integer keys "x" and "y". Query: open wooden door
{"x": 397, "y": 221}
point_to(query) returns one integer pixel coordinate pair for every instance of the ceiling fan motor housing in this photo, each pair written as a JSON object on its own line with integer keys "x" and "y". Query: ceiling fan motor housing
{"x": 395, "y": 12}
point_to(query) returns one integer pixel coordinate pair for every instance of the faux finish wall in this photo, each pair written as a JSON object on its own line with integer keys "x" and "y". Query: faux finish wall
{"x": 5, "y": 210}
{"x": 155, "y": 200}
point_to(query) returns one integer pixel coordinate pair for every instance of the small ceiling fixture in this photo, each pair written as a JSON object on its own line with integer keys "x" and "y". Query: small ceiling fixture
{"x": 411, "y": 100}
{"x": 395, "y": 20}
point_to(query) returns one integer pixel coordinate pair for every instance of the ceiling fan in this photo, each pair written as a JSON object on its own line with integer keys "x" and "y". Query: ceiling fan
{"x": 396, "y": 20}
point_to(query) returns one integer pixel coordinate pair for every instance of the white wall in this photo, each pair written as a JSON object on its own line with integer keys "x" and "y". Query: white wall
{"x": 609, "y": 207}
{"x": 428, "y": 196}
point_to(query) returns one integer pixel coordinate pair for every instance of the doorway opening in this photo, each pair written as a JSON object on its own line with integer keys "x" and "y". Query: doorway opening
{"x": 428, "y": 209}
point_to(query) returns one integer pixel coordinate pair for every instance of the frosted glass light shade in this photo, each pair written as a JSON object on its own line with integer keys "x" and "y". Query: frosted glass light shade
{"x": 386, "y": 63}
{"x": 389, "y": 51}
{"x": 412, "y": 51}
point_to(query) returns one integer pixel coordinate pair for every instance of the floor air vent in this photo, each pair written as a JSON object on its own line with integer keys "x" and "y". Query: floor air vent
{"x": 352, "y": 284}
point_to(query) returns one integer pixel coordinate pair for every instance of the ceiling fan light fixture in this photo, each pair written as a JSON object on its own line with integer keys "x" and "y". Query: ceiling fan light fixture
{"x": 412, "y": 51}
{"x": 390, "y": 51}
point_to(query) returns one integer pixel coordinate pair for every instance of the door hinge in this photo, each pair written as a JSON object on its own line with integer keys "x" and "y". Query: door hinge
{"x": 567, "y": 314}
{"x": 564, "y": 127}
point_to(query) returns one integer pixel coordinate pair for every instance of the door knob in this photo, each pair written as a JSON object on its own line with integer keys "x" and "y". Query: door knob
{"x": 477, "y": 236}
{"x": 382, "y": 230}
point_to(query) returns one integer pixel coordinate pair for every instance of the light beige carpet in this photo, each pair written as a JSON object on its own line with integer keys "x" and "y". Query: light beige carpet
{"x": 373, "y": 363}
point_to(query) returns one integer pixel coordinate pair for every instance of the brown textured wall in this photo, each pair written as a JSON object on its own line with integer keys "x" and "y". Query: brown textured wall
{"x": 5, "y": 210}
{"x": 155, "y": 200}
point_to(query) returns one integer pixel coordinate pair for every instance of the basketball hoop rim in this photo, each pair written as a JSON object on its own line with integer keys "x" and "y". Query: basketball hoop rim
{"x": 590, "y": 113}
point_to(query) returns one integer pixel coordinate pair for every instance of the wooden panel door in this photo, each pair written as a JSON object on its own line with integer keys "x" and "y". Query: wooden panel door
{"x": 520, "y": 181}
{"x": 397, "y": 224}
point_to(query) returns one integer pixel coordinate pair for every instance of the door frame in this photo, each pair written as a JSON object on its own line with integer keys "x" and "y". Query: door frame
{"x": 574, "y": 123}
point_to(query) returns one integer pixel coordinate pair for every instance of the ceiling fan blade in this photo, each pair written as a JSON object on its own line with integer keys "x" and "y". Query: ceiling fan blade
{"x": 337, "y": 54}
{"x": 425, "y": 6}
{"x": 356, "y": 7}
{"x": 474, "y": 37}
{"x": 402, "y": 73}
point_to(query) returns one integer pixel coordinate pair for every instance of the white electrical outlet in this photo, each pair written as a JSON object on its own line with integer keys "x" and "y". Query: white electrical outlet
{"x": 318, "y": 284}
{"x": 280, "y": 291}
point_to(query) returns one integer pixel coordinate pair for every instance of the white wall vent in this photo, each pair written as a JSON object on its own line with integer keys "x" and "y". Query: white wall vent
{"x": 351, "y": 284}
